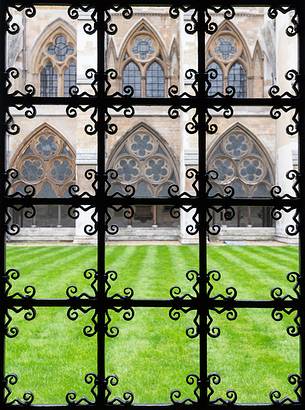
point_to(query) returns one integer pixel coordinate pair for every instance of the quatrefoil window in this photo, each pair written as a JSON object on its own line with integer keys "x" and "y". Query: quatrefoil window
{"x": 236, "y": 145}
{"x": 46, "y": 146}
{"x": 32, "y": 170}
{"x": 142, "y": 145}
{"x": 60, "y": 48}
{"x": 240, "y": 162}
{"x": 143, "y": 161}
{"x": 251, "y": 170}
{"x": 128, "y": 169}
{"x": 47, "y": 162}
{"x": 157, "y": 169}
{"x": 225, "y": 47}
{"x": 143, "y": 47}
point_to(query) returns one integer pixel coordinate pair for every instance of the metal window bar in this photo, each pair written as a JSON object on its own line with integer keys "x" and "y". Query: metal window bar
{"x": 101, "y": 201}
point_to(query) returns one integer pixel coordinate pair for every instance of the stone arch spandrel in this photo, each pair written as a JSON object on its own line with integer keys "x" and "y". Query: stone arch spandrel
{"x": 143, "y": 155}
{"x": 240, "y": 158}
{"x": 46, "y": 160}
{"x": 58, "y": 25}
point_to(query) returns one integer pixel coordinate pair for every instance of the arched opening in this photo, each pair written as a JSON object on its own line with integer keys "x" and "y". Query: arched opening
{"x": 144, "y": 160}
{"x": 46, "y": 161}
{"x": 228, "y": 55}
{"x": 242, "y": 163}
{"x": 54, "y": 60}
{"x": 143, "y": 62}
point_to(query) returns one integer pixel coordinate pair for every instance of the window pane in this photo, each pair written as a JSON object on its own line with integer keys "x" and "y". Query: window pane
{"x": 155, "y": 81}
{"x": 60, "y": 48}
{"x": 69, "y": 78}
{"x": 48, "y": 81}
{"x": 132, "y": 78}
{"x": 216, "y": 83}
{"x": 237, "y": 78}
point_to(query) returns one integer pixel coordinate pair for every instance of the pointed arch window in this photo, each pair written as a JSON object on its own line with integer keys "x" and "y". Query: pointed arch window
{"x": 143, "y": 160}
{"x": 132, "y": 78}
{"x": 57, "y": 70}
{"x": 155, "y": 80}
{"x": 144, "y": 66}
{"x": 227, "y": 62}
{"x": 242, "y": 164}
{"x": 47, "y": 162}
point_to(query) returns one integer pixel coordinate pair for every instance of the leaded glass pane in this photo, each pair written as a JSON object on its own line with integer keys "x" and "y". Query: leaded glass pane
{"x": 60, "y": 48}
{"x": 132, "y": 78}
{"x": 61, "y": 170}
{"x": 69, "y": 78}
{"x": 48, "y": 81}
{"x": 46, "y": 146}
{"x": 32, "y": 169}
{"x": 225, "y": 47}
{"x": 143, "y": 48}
{"x": 237, "y": 78}
{"x": 216, "y": 83}
{"x": 155, "y": 80}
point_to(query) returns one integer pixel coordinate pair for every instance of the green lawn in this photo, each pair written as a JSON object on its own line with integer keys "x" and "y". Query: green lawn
{"x": 152, "y": 355}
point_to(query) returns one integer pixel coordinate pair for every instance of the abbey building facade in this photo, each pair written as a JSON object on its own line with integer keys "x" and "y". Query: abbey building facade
{"x": 152, "y": 53}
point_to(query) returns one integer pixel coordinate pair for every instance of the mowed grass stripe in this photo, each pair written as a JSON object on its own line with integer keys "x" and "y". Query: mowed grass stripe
{"x": 241, "y": 271}
{"x": 289, "y": 259}
{"x": 152, "y": 354}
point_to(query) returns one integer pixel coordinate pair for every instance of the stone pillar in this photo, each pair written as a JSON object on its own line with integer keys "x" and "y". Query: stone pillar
{"x": 86, "y": 145}
{"x": 189, "y": 142}
{"x": 286, "y": 51}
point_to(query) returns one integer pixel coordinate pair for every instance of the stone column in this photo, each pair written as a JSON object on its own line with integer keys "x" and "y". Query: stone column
{"x": 286, "y": 145}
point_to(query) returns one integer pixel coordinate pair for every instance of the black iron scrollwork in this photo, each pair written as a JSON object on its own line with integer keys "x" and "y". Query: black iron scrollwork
{"x": 211, "y": 27}
{"x": 105, "y": 180}
{"x": 293, "y": 76}
{"x": 278, "y": 296}
{"x": 11, "y": 380}
{"x": 73, "y": 12}
{"x": 190, "y": 27}
{"x": 71, "y": 396}
{"x": 276, "y": 396}
{"x": 13, "y": 73}
{"x": 11, "y": 26}
{"x": 276, "y": 213}
{"x": 179, "y": 306}
{"x": 192, "y": 379}
{"x": 29, "y": 311}
{"x": 214, "y": 379}
{"x": 292, "y": 29}
{"x": 276, "y": 113}
{"x": 128, "y": 311}
{"x": 112, "y": 381}
{"x": 28, "y": 192}
{"x": 73, "y": 310}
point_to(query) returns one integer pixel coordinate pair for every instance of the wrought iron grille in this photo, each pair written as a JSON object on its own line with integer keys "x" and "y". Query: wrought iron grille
{"x": 202, "y": 302}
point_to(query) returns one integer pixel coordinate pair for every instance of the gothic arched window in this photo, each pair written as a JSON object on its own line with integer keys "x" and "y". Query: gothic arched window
{"x": 143, "y": 160}
{"x": 241, "y": 163}
{"x": 132, "y": 78}
{"x": 47, "y": 162}
{"x": 143, "y": 64}
{"x": 155, "y": 80}
{"x": 57, "y": 65}
{"x": 227, "y": 58}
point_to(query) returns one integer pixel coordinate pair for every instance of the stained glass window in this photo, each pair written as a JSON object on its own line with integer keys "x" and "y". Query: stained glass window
{"x": 143, "y": 47}
{"x": 155, "y": 80}
{"x": 69, "y": 78}
{"x": 216, "y": 83}
{"x": 237, "y": 78}
{"x": 60, "y": 48}
{"x": 132, "y": 78}
{"x": 48, "y": 81}
{"x": 225, "y": 47}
